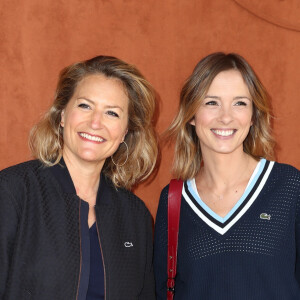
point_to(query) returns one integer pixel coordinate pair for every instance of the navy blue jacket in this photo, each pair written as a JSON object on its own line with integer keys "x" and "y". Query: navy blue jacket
{"x": 40, "y": 249}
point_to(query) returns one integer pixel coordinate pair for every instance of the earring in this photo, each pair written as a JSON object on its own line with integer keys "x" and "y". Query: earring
{"x": 127, "y": 152}
{"x": 59, "y": 133}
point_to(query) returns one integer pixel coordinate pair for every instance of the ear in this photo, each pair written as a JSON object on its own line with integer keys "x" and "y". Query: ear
{"x": 192, "y": 122}
{"x": 62, "y": 118}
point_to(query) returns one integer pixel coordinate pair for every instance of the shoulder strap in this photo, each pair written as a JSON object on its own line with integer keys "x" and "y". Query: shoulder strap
{"x": 174, "y": 202}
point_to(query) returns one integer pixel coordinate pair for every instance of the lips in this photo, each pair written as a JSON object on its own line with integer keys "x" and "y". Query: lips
{"x": 90, "y": 137}
{"x": 224, "y": 132}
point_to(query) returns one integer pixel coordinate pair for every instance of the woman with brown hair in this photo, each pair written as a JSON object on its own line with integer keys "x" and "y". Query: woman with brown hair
{"x": 69, "y": 228}
{"x": 239, "y": 228}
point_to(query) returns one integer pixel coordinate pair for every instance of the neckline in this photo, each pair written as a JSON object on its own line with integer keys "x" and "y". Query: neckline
{"x": 255, "y": 187}
{"x": 93, "y": 227}
{"x": 253, "y": 179}
{"x": 61, "y": 174}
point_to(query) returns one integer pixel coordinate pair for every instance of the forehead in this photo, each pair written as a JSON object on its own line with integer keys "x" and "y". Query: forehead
{"x": 230, "y": 81}
{"x": 98, "y": 87}
{"x": 100, "y": 81}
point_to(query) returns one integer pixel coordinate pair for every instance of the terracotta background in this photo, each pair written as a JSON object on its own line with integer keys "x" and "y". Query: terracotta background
{"x": 165, "y": 39}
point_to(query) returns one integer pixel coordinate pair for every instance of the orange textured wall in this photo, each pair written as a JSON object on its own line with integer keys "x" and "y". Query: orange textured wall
{"x": 164, "y": 39}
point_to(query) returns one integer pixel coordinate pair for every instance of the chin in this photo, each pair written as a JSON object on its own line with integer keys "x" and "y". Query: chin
{"x": 91, "y": 157}
{"x": 227, "y": 150}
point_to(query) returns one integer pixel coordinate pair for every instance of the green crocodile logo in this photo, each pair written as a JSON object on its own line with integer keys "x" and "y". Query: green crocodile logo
{"x": 265, "y": 216}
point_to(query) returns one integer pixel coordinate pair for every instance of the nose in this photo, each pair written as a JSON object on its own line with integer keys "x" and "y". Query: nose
{"x": 225, "y": 115}
{"x": 96, "y": 120}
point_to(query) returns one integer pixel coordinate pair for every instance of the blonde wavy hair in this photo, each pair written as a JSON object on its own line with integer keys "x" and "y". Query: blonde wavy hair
{"x": 258, "y": 143}
{"x": 46, "y": 137}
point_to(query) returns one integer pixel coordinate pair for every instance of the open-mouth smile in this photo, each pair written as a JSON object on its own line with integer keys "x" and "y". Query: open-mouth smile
{"x": 90, "y": 137}
{"x": 223, "y": 132}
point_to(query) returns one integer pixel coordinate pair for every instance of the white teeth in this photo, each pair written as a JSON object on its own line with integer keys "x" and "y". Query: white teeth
{"x": 91, "y": 137}
{"x": 223, "y": 132}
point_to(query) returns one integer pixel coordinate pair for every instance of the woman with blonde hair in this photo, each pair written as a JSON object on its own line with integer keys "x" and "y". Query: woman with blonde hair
{"x": 69, "y": 227}
{"x": 239, "y": 226}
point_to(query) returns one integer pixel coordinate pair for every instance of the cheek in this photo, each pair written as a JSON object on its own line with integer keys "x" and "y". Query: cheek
{"x": 118, "y": 131}
{"x": 247, "y": 119}
{"x": 72, "y": 118}
{"x": 202, "y": 119}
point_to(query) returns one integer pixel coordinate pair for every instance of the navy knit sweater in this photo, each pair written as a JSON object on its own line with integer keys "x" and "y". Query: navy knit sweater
{"x": 252, "y": 253}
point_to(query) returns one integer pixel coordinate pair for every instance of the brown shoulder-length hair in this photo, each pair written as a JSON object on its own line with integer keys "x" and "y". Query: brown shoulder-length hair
{"x": 258, "y": 143}
{"x": 46, "y": 137}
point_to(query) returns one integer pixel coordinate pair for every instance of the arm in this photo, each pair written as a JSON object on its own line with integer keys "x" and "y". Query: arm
{"x": 8, "y": 229}
{"x": 161, "y": 247}
{"x": 148, "y": 291}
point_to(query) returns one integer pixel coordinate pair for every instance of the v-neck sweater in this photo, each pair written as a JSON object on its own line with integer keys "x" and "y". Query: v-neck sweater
{"x": 252, "y": 253}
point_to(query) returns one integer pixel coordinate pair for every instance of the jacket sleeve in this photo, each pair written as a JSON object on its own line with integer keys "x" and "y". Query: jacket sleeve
{"x": 8, "y": 229}
{"x": 161, "y": 246}
{"x": 148, "y": 292}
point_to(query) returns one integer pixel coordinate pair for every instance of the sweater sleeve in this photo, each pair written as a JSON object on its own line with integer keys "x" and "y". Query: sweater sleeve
{"x": 8, "y": 229}
{"x": 297, "y": 269}
{"x": 148, "y": 292}
{"x": 160, "y": 246}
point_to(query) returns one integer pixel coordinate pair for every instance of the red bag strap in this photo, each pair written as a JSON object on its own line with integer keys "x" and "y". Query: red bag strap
{"x": 174, "y": 202}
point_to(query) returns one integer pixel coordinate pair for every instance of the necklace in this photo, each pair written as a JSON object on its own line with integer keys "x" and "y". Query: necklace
{"x": 217, "y": 198}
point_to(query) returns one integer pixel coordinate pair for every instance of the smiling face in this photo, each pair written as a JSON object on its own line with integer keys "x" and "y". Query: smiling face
{"x": 223, "y": 120}
{"x": 95, "y": 120}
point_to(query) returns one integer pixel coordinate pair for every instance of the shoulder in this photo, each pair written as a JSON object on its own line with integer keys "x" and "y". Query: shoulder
{"x": 17, "y": 179}
{"x": 22, "y": 168}
{"x": 284, "y": 181}
{"x": 127, "y": 200}
{"x": 287, "y": 180}
{"x": 286, "y": 172}
{"x": 25, "y": 176}
{"x": 21, "y": 171}
{"x": 286, "y": 167}
{"x": 163, "y": 201}
{"x": 165, "y": 191}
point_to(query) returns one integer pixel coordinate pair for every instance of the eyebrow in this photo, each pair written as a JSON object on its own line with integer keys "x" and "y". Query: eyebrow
{"x": 235, "y": 98}
{"x": 93, "y": 102}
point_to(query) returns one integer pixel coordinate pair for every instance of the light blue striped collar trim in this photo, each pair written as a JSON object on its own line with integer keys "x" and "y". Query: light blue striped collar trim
{"x": 255, "y": 175}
